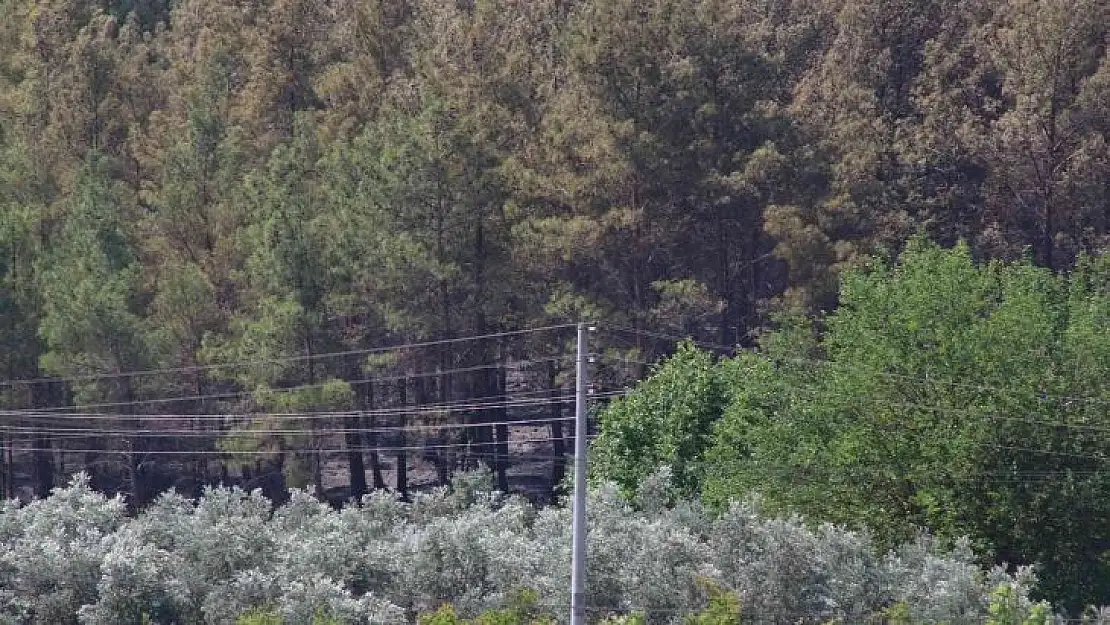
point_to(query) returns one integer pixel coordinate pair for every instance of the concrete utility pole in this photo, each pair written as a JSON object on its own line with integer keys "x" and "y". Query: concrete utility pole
{"x": 578, "y": 552}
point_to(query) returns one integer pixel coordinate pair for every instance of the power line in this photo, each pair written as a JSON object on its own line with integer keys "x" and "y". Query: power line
{"x": 954, "y": 410}
{"x": 285, "y": 359}
{"x": 669, "y": 337}
{"x": 924, "y": 379}
{"x": 299, "y": 388}
{"x": 438, "y": 409}
{"x": 525, "y": 400}
{"x": 246, "y": 433}
{"x": 56, "y": 432}
{"x": 305, "y": 450}
{"x": 415, "y": 409}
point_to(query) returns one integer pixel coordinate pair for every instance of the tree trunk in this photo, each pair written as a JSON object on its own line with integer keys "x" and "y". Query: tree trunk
{"x": 317, "y": 460}
{"x": 372, "y": 436}
{"x": 478, "y": 428}
{"x": 43, "y": 456}
{"x": 7, "y": 472}
{"x": 6, "y": 481}
{"x": 354, "y": 440}
{"x": 500, "y": 415}
{"x": 744, "y": 334}
{"x": 420, "y": 388}
{"x": 724, "y": 280}
{"x": 402, "y": 481}
{"x": 483, "y": 433}
{"x": 354, "y": 456}
{"x": 134, "y": 451}
{"x": 558, "y": 445}
{"x": 442, "y": 455}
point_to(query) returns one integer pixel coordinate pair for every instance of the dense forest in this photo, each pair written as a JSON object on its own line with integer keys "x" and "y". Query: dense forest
{"x": 218, "y": 220}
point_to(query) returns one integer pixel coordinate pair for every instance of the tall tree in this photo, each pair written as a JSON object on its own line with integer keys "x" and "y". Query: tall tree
{"x": 1048, "y": 151}
{"x": 284, "y": 308}
{"x": 670, "y": 116}
{"x": 93, "y": 311}
{"x": 22, "y": 209}
{"x": 286, "y": 48}
{"x": 426, "y": 233}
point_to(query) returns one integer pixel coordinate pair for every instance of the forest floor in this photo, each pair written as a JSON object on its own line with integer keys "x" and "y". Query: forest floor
{"x": 529, "y": 473}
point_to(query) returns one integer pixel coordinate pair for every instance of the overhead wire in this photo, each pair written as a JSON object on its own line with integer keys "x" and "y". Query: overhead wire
{"x": 285, "y": 359}
{"x": 943, "y": 409}
{"x": 461, "y": 405}
{"x": 965, "y": 411}
{"x": 472, "y": 406}
{"x": 303, "y": 450}
{"x": 528, "y": 399}
{"x": 667, "y": 337}
{"x": 53, "y": 431}
{"x": 141, "y": 432}
{"x": 435, "y": 409}
{"x": 241, "y": 394}
{"x": 416, "y": 410}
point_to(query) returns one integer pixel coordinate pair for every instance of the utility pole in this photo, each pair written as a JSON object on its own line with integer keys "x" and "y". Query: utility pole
{"x": 578, "y": 550}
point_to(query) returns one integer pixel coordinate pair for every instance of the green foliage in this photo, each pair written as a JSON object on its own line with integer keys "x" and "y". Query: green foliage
{"x": 1008, "y": 607}
{"x": 723, "y": 609}
{"x": 897, "y": 614}
{"x": 259, "y": 617}
{"x": 666, "y": 422}
{"x": 521, "y": 611}
{"x": 265, "y": 617}
{"x": 943, "y": 398}
{"x": 632, "y": 618}
{"x": 462, "y": 556}
{"x": 92, "y": 319}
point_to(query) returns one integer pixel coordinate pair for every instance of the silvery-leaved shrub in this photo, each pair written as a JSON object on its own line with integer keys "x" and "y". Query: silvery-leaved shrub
{"x": 75, "y": 557}
{"x": 52, "y": 552}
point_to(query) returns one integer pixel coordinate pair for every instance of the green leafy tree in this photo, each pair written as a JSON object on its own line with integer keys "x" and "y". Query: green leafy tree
{"x": 419, "y": 205}
{"x": 945, "y": 400}
{"x": 667, "y": 421}
{"x": 723, "y": 609}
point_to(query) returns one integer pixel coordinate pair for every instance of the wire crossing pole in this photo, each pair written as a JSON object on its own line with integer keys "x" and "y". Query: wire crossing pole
{"x": 578, "y": 550}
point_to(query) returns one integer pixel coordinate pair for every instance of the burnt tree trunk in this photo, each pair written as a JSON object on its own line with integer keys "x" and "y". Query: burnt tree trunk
{"x": 352, "y": 437}
{"x": 372, "y": 436}
{"x": 443, "y": 455}
{"x": 500, "y": 415}
{"x": 138, "y": 485}
{"x": 402, "y": 481}
{"x": 479, "y": 431}
{"x": 316, "y": 458}
{"x": 558, "y": 443}
{"x": 43, "y": 459}
{"x": 421, "y": 396}
{"x": 354, "y": 455}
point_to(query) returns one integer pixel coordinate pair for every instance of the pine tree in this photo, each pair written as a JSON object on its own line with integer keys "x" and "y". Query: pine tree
{"x": 1047, "y": 151}
{"x": 92, "y": 320}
